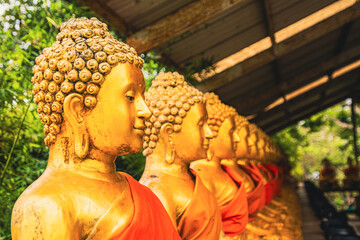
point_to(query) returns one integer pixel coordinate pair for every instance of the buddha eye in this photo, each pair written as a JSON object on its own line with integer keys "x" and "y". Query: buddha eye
{"x": 130, "y": 95}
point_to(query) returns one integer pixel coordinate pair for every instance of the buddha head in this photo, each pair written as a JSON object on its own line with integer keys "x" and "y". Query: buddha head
{"x": 325, "y": 163}
{"x": 222, "y": 124}
{"x": 253, "y": 142}
{"x": 177, "y": 127}
{"x": 242, "y": 129}
{"x": 273, "y": 151}
{"x": 261, "y": 144}
{"x": 89, "y": 89}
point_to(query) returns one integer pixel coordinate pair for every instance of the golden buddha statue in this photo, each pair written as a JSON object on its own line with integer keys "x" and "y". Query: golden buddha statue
{"x": 177, "y": 134}
{"x": 253, "y": 184}
{"x": 281, "y": 215}
{"x": 227, "y": 186}
{"x": 352, "y": 179}
{"x": 327, "y": 178}
{"x": 84, "y": 84}
{"x": 241, "y": 156}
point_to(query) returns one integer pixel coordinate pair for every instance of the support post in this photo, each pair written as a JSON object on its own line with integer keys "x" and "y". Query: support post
{"x": 353, "y": 118}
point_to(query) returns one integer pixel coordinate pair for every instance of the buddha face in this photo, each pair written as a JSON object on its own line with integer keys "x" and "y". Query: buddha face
{"x": 224, "y": 145}
{"x": 252, "y": 144}
{"x": 116, "y": 124}
{"x": 192, "y": 141}
{"x": 260, "y": 147}
{"x": 242, "y": 144}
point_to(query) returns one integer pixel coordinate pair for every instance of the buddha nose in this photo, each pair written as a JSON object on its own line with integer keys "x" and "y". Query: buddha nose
{"x": 143, "y": 109}
{"x": 207, "y": 132}
{"x": 236, "y": 137}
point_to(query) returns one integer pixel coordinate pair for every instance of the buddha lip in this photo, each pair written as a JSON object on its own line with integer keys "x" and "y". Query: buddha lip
{"x": 139, "y": 127}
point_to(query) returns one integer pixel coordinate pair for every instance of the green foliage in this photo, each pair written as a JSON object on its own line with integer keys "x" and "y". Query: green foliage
{"x": 26, "y": 28}
{"x": 326, "y": 134}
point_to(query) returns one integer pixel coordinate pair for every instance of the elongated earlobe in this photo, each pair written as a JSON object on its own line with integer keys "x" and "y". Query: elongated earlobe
{"x": 73, "y": 112}
{"x": 209, "y": 154}
{"x": 170, "y": 155}
{"x": 82, "y": 144}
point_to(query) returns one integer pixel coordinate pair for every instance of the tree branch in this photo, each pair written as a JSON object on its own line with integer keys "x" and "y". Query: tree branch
{"x": 344, "y": 125}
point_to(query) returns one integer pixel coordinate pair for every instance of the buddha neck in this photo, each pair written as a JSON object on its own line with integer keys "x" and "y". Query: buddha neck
{"x": 215, "y": 161}
{"x": 97, "y": 164}
{"x": 242, "y": 162}
{"x": 228, "y": 162}
{"x": 214, "y": 164}
{"x": 157, "y": 164}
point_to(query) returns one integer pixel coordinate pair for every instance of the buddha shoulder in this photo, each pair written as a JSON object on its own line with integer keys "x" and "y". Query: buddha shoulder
{"x": 162, "y": 190}
{"x": 33, "y": 217}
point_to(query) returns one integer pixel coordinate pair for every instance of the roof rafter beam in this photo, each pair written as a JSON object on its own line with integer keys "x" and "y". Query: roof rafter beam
{"x": 178, "y": 23}
{"x": 272, "y": 130}
{"x": 344, "y": 34}
{"x": 275, "y": 64}
{"x": 347, "y": 80}
{"x": 101, "y": 8}
{"x": 259, "y": 97}
{"x": 298, "y": 40}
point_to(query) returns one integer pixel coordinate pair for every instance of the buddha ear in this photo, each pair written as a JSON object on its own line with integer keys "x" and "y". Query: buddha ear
{"x": 74, "y": 115}
{"x": 209, "y": 151}
{"x": 166, "y": 131}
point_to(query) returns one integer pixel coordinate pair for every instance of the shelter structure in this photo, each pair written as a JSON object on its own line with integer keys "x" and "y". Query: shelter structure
{"x": 276, "y": 61}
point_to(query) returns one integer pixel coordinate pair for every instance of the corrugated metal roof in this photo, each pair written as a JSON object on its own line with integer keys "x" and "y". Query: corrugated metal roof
{"x": 258, "y": 83}
{"x": 286, "y": 12}
{"x": 234, "y": 30}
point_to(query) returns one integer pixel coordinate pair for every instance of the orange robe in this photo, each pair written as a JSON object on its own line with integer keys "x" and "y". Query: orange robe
{"x": 235, "y": 213}
{"x": 352, "y": 172}
{"x": 255, "y": 198}
{"x": 327, "y": 172}
{"x": 277, "y": 179}
{"x": 268, "y": 185}
{"x": 201, "y": 219}
{"x": 260, "y": 176}
{"x": 149, "y": 221}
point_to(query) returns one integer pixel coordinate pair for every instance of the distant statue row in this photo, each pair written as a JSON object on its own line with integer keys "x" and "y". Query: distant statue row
{"x": 328, "y": 180}
{"x": 209, "y": 173}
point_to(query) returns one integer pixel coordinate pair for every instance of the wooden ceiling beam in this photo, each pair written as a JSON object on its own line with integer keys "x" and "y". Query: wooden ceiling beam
{"x": 344, "y": 35}
{"x": 320, "y": 29}
{"x": 348, "y": 79}
{"x": 107, "y": 13}
{"x": 260, "y": 97}
{"x": 276, "y": 128}
{"x": 312, "y": 104}
{"x": 179, "y": 22}
{"x": 275, "y": 64}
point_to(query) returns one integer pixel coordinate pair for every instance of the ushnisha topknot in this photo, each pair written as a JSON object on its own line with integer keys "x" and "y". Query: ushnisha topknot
{"x": 78, "y": 62}
{"x": 217, "y": 112}
{"x": 169, "y": 98}
{"x": 253, "y": 129}
{"x": 240, "y": 122}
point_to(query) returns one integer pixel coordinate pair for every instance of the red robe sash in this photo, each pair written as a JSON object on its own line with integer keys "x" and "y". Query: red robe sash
{"x": 280, "y": 180}
{"x": 201, "y": 219}
{"x": 235, "y": 213}
{"x": 257, "y": 171}
{"x": 269, "y": 186}
{"x": 255, "y": 198}
{"x": 352, "y": 172}
{"x": 149, "y": 221}
{"x": 277, "y": 180}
